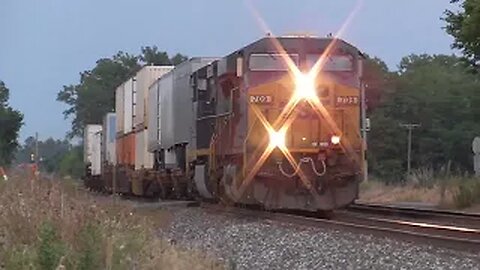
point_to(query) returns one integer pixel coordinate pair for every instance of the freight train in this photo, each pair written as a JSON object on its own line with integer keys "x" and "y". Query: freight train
{"x": 276, "y": 123}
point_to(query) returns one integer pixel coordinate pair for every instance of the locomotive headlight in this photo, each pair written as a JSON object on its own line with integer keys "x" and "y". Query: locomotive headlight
{"x": 277, "y": 138}
{"x": 305, "y": 86}
{"x": 335, "y": 139}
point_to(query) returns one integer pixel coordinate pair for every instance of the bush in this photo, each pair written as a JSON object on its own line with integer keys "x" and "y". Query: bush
{"x": 50, "y": 249}
{"x": 468, "y": 193}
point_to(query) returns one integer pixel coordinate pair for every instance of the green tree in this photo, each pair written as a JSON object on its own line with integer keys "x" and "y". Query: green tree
{"x": 51, "y": 153}
{"x": 463, "y": 26}
{"x": 439, "y": 93}
{"x": 152, "y": 56}
{"x": 377, "y": 79}
{"x": 94, "y": 96}
{"x": 178, "y": 58}
{"x": 72, "y": 162}
{"x": 10, "y": 124}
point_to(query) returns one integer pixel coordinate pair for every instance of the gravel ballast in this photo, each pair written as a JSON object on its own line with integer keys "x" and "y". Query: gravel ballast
{"x": 249, "y": 243}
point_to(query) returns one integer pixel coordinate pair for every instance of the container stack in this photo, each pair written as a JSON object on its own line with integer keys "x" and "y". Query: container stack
{"x": 144, "y": 79}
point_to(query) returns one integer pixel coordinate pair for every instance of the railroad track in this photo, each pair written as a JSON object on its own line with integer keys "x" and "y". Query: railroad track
{"x": 402, "y": 227}
{"x": 431, "y": 215}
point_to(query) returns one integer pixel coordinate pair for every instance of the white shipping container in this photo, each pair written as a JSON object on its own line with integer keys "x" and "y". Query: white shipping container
{"x": 92, "y": 145}
{"x": 119, "y": 103}
{"x": 145, "y": 77}
{"x": 143, "y": 159}
{"x": 128, "y": 105}
{"x": 108, "y": 140}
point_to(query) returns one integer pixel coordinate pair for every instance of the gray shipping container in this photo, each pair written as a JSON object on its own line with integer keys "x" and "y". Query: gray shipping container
{"x": 108, "y": 139}
{"x": 175, "y": 121}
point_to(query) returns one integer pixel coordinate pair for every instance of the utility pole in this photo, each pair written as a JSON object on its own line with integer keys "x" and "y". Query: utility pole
{"x": 36, "y": 150}
{"x": 409, "y": 127}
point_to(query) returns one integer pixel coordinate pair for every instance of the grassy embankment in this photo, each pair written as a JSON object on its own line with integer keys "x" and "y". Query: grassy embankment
{"x": 448, "y": 191}
{"x": 56, "y": 225}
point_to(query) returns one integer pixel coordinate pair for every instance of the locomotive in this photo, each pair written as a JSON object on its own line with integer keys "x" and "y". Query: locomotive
{"x": 276, "y": 123}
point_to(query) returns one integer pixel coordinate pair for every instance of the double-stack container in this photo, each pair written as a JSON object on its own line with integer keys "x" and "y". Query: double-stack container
{"x": 144, "y": 78}
{"x": 92, "y": 145}
{"x": 125, "y": 97}
{"x": 108, "y": 141}
{"x": 171, "y": 117}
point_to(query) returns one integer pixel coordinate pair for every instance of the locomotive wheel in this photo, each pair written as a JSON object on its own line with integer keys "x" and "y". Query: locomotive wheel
{"x": 221, "y": 192}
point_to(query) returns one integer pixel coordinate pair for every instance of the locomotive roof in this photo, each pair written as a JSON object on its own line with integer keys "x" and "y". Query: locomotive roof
{"x": 295, "y": 44}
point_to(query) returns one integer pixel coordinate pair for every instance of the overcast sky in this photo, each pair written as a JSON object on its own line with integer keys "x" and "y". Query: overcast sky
{"x": 44, "y": 44}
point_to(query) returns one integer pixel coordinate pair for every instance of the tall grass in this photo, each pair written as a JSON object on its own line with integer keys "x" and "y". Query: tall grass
{"x": 56, "y": 225}
{"x": 441, "y": 187}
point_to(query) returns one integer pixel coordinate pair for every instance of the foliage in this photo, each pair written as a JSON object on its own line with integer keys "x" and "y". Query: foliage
{"x": 10, "y": 123}
{"x": 94, "y": 95}
{"x": 55, "y": 224}
{"x": 437, "y": 92}
{"x": 51, "y": 153}
{"x": 463, "y": 26}
{"x": 55, "y": 156}
{"x": 376, "y": 78}
{"x": 90, "y": 249}
{"x": 72, "y": 163}
{"x": 152, "y": 56}
{"x": 468, "y": 193}
{"x": 50, "y": 249}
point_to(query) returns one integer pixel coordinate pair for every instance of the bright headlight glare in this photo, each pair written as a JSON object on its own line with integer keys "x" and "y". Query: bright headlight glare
{"x": 305, "y": 86}
{"x": 335, "y": 139}
{"x": 277, "y": 139}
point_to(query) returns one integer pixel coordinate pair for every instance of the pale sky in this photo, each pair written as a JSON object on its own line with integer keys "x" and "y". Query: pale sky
{"x": 45, "y": 44}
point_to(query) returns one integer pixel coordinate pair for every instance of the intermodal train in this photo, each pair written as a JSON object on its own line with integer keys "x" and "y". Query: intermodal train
{"x": 276, "y": 123}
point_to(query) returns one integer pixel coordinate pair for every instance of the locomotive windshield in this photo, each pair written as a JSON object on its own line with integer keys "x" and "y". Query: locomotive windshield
{"x": 270, "y": 61}
{"x": 332, "y": 63}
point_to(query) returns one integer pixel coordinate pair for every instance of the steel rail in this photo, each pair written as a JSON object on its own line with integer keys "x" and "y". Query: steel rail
{"x": 453, "y": 218}
{"x": 468, "y": 241}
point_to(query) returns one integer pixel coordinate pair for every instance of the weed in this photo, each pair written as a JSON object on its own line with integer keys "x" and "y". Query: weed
{"x": 54, "y": 224}
{"x": 468, "y": 192}
{"x": 90, "y": 248}
{"x": 50, "y": 248}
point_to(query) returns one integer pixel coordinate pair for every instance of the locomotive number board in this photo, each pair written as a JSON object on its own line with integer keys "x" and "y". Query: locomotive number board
{"x": 346, "y": 100}
{"x": 261, "y": 99}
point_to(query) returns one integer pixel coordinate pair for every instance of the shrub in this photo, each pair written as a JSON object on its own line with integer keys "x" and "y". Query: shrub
{"x": 467, "y": 193}
{"x": 50, "y": 249}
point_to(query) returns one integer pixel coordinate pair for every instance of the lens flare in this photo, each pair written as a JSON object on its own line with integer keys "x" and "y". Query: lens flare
{"x": 305, "y": 86}
{"x": 277, "y": 138}
{"x": 335, "y": 139}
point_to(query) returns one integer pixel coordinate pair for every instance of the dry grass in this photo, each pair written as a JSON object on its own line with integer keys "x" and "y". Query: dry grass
{"x": 54, "y": 225}
{"x": 452, "y": 192}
